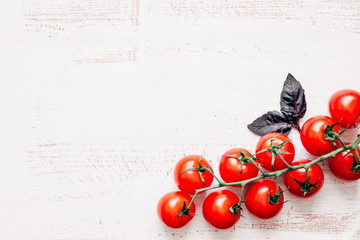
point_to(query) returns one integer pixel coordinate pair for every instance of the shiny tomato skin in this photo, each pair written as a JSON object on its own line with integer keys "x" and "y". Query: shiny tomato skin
{"x": 340, "y": 165}
{"x": 344, "y": 107}
{"x": 216, "y": 209}
{"x": 312, "y": 135}
{"x": 315, "y": 175}
{"x": 265, "y": 158}
{"x": 231, "y": 169}
{"x": 189, "y": 181}
{"x": 257, "y": 199}
{"x": 170, "y": 206}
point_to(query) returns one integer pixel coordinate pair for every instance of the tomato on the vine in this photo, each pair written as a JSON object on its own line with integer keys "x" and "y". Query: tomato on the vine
{"x": 233, "y": 170}
{"x": 344, "y": 107}
{"x": 301, "y": 185}
{"x": 221, "y": 209}
{"x": 312, "y": 135}
{"x": 190, "y": 173}
{"x": 345, "y": 166}
{"x": 274, "y": 147}
{"x": 263, "y": 200}
{"x": 170, "y": 207}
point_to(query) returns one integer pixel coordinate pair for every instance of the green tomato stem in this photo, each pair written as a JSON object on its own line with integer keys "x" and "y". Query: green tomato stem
{"x": 257, "y": 165}
{"x": 221, "y": 183}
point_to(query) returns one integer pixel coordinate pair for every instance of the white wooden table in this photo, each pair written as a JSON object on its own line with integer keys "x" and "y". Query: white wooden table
{"x": 99, "y": 99}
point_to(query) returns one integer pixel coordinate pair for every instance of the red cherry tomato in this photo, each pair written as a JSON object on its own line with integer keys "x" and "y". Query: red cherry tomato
{"x": 216, "y": 209}
{"x": 344, "y": 107}
{"x": 296, "y": 182}
{"x": 312, "y": 135}
{"x": 231, "y": 169}
{"x": 259, "y": 199}
{"x": 171, "y": 205}
{"x": 265, "y": 158}
{"x": 189, "y": 181}
{"x": 342, "y": 163}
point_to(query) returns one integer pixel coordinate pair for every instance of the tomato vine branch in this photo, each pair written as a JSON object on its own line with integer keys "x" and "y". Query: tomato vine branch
{"x": 276, "y": 174}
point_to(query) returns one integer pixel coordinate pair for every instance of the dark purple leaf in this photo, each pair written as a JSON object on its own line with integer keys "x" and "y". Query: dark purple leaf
{"x": 272, "y": 121}
{"x": 292, "y": 100}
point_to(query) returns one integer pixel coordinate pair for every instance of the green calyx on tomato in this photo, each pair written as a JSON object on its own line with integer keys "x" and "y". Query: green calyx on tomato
{"x": 217, "y": 209}
{"x": 172, "y": 211}
{"x": 275, "y": 199}
{"x": 237, "y": 208}
{"x": 185, "y": 211}
{"x": 193, "y": 172}
{"x": 356, "y": 168}
{"x": 312, "y": 135}
{"x": 345, "y": 165}
{"x": 275, "y": 151}
{"x": 306, "y": 181}
{"x": 306, "y": 186}
{"x": 201, "y": 169}
{"x": 356, "y": 165}
{"x": 264, "y": 199}
{"x": 332, "y": 135}
{"x": 242, "y": 158}
{"x": 238, "y": 164}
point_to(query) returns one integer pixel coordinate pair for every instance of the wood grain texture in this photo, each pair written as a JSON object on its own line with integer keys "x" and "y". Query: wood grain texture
{"x": 99, "y": 99}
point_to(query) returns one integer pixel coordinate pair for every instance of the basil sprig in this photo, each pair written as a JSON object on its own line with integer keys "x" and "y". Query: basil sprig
{"x": 292, "y": 107}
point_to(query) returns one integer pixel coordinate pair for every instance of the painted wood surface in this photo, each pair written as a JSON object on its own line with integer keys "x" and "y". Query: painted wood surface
{"x": 99, "y": 99}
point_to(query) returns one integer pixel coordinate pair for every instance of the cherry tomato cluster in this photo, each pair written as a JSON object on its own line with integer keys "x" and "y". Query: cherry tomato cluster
{"x": 273, "y": 157}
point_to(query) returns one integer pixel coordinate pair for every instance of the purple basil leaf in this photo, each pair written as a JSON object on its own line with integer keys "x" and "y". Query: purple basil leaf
{"x": 292, "y": 100}
{"x": 272, "y": 121}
